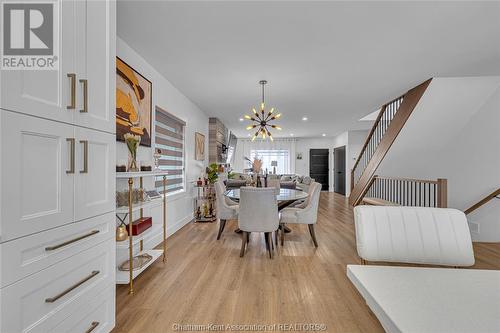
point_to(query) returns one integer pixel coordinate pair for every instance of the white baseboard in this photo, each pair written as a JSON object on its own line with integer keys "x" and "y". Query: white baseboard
{"x": 171, "y": 229}
{"x": 179, "y": 224}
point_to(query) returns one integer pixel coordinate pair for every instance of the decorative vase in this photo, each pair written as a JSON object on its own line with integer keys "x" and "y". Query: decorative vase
{"x": 132, "y": 165}
{"x": 132, "y": 142}
{"x": 121, "y": 233}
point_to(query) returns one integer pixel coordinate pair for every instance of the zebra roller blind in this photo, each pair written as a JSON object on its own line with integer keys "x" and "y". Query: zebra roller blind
{"x": 169, "y": 142}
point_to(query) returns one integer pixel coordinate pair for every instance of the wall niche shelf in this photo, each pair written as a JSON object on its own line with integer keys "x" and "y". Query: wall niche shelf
{"x": 125, "y": 213}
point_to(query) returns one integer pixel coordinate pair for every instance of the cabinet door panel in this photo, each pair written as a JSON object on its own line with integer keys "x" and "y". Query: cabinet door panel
{"x": 36, "y": 190}
{"x": 45, "y": 93}
{"x": 96, "y": 53}
{"x": 95, "y": 187}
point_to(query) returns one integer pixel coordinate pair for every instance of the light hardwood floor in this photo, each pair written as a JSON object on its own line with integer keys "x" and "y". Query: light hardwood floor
{"x": 206, "y": 282}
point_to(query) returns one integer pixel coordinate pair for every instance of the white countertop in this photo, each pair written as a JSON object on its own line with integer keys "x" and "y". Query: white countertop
{"x": 410, "y": 299}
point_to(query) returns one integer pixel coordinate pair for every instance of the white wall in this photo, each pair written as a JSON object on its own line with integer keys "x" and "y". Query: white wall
{"x": 356, "y": 140}
{"x": 454, "y": 133}
{"x": 166, "y": 96}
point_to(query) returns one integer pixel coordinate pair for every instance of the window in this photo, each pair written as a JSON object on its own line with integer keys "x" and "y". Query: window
{"x": 169, "y": 141}
{"x": 282, "y": 156}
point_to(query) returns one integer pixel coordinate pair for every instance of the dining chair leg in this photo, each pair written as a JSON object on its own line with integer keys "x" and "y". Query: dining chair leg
{"x": 313, "y": 234}
{"x": 266, "y": 240}
{"x": 244, "y": 237}
{"x": 222, "y": 224}
{"x": 282, "y": 234}
{"x": 276, "y": 237}
{"x": 248, "y": 236}
{"x": 270, "y": 246}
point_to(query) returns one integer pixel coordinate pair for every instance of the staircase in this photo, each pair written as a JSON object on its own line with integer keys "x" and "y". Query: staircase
{"x": 391, "y": 119}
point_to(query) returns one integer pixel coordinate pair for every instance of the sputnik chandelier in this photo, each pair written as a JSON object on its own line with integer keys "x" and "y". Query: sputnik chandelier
{"x": 261, "y": 120}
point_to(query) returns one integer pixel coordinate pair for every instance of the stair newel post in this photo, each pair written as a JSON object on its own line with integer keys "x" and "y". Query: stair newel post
{"x": 130, "y": 249}
{"x": 442, "y": 201}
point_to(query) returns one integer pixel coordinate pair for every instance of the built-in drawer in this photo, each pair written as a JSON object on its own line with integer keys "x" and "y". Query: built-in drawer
{"x": 25, "y": 256}
{"x": 98, "y": 315}
{"x": 58, "y": 291}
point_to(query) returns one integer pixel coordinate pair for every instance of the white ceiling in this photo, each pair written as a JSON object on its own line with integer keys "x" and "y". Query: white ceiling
{"x": 334, "y": 62}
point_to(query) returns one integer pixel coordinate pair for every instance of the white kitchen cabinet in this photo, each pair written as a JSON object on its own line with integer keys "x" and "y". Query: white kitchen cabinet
{"x": 57, "y": 181}
{"x": 79, "y": 92}
{"x": 45, "y": 93}
{"x": 37, "y": 174}
{"x": 95, "y": 175}
{"x": 95, "y": 64}
{"x": 53, "y": 174}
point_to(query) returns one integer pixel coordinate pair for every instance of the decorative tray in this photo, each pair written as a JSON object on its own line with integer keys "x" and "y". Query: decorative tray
{"x": 137, "y": 263}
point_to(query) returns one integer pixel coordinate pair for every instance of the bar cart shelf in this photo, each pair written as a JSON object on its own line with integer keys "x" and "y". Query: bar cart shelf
{"x": 124, "y": 212}
{"x": 205, "y": 196}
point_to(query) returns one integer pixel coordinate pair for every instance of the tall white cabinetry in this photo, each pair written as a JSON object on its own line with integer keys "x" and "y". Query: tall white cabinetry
{"x": 57, "y": 182}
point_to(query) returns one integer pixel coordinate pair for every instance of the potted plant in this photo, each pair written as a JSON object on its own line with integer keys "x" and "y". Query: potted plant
{"x": 212, "y": 173}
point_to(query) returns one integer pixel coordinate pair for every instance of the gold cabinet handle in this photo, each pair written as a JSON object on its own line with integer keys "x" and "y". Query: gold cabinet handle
{"x": 76, "y": 285}
{"x": 85, "y": 96}
{"x": 72, "y": 155}
{"x": 92, "y": 326}
{"x": 55, "y": 247}
{"x": 85, "y": 156}
{"x": 72, "y": 77}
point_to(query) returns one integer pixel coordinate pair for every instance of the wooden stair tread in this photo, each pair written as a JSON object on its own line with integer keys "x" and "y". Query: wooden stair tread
{"x": 378, "y": 202}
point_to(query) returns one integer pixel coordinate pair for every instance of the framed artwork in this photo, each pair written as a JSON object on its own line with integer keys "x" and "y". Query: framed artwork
{"x": 133, "y": 103}
{"x": 199, "y": 146}
{"x": 299, "y": 156}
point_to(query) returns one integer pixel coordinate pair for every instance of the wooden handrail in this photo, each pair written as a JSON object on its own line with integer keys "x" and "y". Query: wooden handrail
{"x": 368, "y": 138}
{"x": 482, "y": 202}
{"x": 406, "y": 191}
{"x": 426, "y": 181}
{"x": 411, "y": 98}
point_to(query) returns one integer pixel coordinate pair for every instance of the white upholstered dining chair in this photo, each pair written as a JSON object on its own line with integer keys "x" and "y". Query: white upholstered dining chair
{"x": 304, "y": 213}
{"x": 417, "y": 235}
{"x": 226, "y": 208}
{"x": 258, "y": 213}
{"x": 274, "y": 183}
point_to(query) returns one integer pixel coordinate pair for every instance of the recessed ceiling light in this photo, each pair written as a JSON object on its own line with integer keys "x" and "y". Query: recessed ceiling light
{"x": 248, "y": 134}
{"x": 323, "y": 134}
{"x": 241, "y": 119}
{"x": 291, "y": 134}
{"x": 304, "y": 118}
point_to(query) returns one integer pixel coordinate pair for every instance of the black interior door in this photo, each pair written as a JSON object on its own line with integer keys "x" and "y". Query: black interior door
{"x": 339, "y": 169}
{"x": 318, "y": 166}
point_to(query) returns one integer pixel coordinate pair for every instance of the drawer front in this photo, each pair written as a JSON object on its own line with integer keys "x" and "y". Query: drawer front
{"x": 58, "y": 291}
{"x": 28, "y": 255}
{"x": 95, "y": 316}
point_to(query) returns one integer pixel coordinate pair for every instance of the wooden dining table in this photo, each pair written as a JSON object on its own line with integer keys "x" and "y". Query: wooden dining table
{"x": 284, "y": 198}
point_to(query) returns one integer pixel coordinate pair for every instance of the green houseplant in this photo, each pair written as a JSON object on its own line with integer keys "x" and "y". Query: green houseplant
{"x": 212, "y": 173}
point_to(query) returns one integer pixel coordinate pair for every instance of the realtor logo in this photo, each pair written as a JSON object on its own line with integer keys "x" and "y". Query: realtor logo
{"x": 29, "y": 37}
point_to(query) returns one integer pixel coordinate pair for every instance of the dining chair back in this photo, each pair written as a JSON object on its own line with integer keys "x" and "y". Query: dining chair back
{"x": 258, "y": 212}
{"x": 416, "y": 235}
{"x": 274, "y": 183}
{"x": 305, "y": 213}
{"x": 224, "y": 211}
